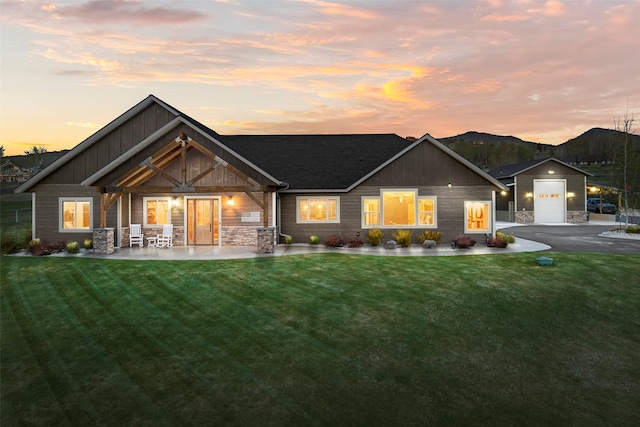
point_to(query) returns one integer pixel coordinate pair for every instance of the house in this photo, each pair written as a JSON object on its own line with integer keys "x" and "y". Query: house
{"x": 154, "y": 165}
{"x": 542, "y": 191}
{"x": 11, "y": 172}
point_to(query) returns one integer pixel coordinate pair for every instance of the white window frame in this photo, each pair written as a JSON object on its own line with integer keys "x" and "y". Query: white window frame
{"x": 299, "y": 220}
{"x": 61, "y": 201}
{"x": 144, "y": 210}
{"x": 467, "y": 205}
{"x": 416, "y": 198}
{"x": 435, "y": 212}
{"x": 363, "y": 216}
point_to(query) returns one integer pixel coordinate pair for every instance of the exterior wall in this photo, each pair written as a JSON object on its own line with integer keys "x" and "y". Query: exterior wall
{"x": 450, "y": 213}
{"x": 425, "y": 168}
{"x": 47, "y": 212}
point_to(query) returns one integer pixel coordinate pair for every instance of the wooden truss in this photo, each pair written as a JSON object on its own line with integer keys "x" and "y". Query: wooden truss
{"x": 154, "y": 165}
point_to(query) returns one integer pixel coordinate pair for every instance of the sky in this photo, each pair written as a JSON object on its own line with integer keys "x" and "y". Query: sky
{"x": 543, "y": 71}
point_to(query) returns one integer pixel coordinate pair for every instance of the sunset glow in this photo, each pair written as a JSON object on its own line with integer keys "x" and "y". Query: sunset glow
{"x": 543, "y": 71}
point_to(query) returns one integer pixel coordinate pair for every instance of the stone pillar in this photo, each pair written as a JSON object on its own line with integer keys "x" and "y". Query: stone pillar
{"x": 266, "y": 240}
{"x": 103, "y": 241}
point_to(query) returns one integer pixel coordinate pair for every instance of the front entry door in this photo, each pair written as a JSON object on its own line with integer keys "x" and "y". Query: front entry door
{"x": 202, "y": 218}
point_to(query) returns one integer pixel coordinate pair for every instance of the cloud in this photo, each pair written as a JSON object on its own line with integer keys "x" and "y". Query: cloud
{"x": 131, "y": 12}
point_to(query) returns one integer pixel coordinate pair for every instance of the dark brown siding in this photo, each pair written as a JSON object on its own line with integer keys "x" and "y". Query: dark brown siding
{"x": 111, "y": 146}
{"x": 47, "y": 212}
{"x": 575, "y": 184}
{"x": 425, "y": 168}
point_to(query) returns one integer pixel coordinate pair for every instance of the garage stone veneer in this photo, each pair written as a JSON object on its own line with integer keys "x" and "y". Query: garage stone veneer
{"x": 103, "y": 241}
{"x": 577, "y": 217}
{"x": 523, "y": 217}
{"x": 266, "y": 239}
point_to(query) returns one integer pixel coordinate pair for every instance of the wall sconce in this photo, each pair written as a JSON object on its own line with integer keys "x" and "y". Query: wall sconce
{"x": 174, "y": 202}
{"x": 503, "y": 193}
{"x": 551, "y": 172}
{"x": 571, "y": 194}
{"x": 449, "y": 184}
{"x": 230, "y": 201}
{"x": 594, "y": 189}
{"x": 528, "y": 195}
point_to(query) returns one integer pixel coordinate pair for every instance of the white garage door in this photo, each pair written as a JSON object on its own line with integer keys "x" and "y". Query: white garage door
{"x": 550, "y": 202}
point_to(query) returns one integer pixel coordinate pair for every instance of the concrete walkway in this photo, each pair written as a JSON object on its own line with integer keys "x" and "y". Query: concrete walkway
{"x": 237, "y": 252}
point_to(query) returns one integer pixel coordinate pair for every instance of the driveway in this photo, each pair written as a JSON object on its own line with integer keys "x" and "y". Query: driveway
{"x": 576, "y": 237}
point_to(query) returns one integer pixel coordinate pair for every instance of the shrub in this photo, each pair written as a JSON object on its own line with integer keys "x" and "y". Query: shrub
{"x": 496, "y": 242}
{"x": 374, "y": 237}
{"x": 464, "y": 241}
{"x": 356, "y": 242}
{"x": 10, "y": 245}
{"x": 509, "y": 238}
{"x": 402, "y": 237}
{"x": 333, "y": 241}
{"x": 633, "y": 229}
{"x": 34, "y": 242}
{"x": 88, "y": 244}
{"x": 314, "y": 240}
{"x": 436, "y": 236}
{"x": 288, "y": 240}
{"x": 72, "y": 247}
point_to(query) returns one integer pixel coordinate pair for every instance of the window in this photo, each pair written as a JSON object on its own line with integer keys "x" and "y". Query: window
{"x": 76, "y": 214}
{"x": 157, "y": 211}
{"x": 318, "y": 209}
{"x": 370, "y": 212}
{"x": 399, "y": 208}
{"x": 427, "y": 211}
{"x": 478, "y": 219}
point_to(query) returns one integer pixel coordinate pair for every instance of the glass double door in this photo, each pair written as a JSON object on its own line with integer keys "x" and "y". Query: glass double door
{"x": 203, "y": 221}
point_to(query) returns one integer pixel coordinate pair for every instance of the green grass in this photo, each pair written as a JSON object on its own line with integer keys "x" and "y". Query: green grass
{"x": 327, "y": 339}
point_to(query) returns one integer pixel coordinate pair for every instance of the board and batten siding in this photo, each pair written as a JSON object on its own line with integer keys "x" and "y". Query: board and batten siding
{"x": 575, "y": 184}
{"x": 112, "y": 145}
{"x": 47, "y": 212}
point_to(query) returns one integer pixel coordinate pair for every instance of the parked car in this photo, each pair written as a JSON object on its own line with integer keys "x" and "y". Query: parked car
{"x": 601, "y": 206}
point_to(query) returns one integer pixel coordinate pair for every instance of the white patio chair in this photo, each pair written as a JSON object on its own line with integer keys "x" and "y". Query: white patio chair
{"x": 166, "y": 238}
{"x": 135, "y": 235}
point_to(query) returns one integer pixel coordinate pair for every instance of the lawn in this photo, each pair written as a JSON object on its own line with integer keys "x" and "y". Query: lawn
{"x": 327, "y": 339}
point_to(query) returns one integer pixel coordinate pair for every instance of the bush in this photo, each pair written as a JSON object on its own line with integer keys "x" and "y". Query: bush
{"x": 288, "y": 240}
{"x": 506, "y": 237}
{"x": 333, "y": 241}
{"x": 73, "y": 247}
{"x": 40, "y": 249}
{"x": 314, "y": 240}
{"x": 375, "y": 237}
{"x": 464, "y": 242}
{"x": 633, "y": 229}
{"x": 496, "y": 242}
{"x": 436, "y": 236}
{"x": 356, "y": 242}
{"x": 88, "y": 244}
{"x": 402, "y": 237}
{"x": 10, "y": 245}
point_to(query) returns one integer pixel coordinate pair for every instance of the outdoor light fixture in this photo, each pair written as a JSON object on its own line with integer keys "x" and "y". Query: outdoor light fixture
{"x": 449, "y": 184}
{"x": 174, "y": 202}
{"x": 551, "y": 172}
{"x": 503, "y": 193}
{"x": 230, "y": 201}
{"x": 528, "y": 195}
{"x": 571, "y": 194}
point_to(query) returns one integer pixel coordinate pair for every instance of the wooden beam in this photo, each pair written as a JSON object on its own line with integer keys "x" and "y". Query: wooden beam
{"x": 194, "y": 189}
{"x": 106, "y": 201}
{"x": 265, "y": 209}
{"x": 255, "y": 199}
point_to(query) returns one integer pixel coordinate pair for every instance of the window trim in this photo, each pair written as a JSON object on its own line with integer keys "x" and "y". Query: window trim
{"x": 363, "y": 213}
{"x": 299, "y": 220}
{"x": 144, "y": 211}
{"x": 435, "y": 212}
{"x": 467, "y": 204}
{"x": 61, "y": 202}
{"x": 417, "y": 197}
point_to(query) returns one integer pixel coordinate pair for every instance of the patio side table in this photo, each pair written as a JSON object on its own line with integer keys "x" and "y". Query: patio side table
{"x": 152, "y": 241}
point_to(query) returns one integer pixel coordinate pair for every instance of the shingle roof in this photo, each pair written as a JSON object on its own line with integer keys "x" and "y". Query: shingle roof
{"x": 330, "y": 162}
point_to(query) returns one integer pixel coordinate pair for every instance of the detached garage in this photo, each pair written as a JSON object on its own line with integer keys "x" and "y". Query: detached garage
{"x": 542, "y": 191}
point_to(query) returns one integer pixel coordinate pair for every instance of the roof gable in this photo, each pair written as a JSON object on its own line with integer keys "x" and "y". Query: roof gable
{"x": 510, "y": 171}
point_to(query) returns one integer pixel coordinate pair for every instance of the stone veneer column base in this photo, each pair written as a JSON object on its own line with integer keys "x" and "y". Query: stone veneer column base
{"x": 576, "y": 217}
{"x": 266, "y": 240}
{"x": 523, "y": 217}
{"x": 103, "y": 241}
